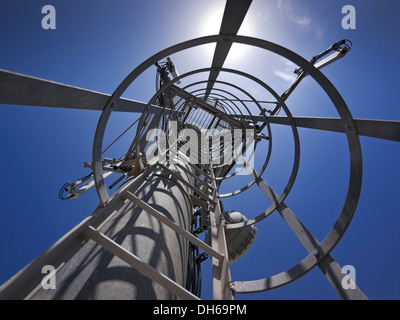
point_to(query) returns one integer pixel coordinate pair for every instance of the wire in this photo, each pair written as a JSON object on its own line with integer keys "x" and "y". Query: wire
{"x": 347, "y": 45}
{"x": 63, "y": 189}
{"x": 121, "y": 135}
{"x": 69, "y": 185}
{"x": 194, "y": 277}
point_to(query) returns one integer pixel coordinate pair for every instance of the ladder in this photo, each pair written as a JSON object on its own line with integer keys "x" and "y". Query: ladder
{"x": 26, "y": 283}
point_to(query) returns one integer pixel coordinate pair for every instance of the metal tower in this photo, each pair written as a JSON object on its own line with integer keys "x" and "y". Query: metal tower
{"x": 148, "y": 239}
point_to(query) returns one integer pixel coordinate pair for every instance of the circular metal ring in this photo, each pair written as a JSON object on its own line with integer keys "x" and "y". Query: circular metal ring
{"x": 354, "y": 189}
{"x": 248, "y": 111}
{"x": 296, "y": 161}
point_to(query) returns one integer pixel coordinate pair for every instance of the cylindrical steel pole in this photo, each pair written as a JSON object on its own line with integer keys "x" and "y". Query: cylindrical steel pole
{"x": 94, "y": 273}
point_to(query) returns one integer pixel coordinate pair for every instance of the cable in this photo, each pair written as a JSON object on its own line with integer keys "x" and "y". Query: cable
{"x": 347, "y": 45}
{"x": 65, "y": 188}
{"x": 194, "y": 278}
{"x": 121, "y": 135}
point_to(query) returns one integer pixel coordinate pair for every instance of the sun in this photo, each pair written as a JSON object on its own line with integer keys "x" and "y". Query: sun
{"x": 210, "y": 24}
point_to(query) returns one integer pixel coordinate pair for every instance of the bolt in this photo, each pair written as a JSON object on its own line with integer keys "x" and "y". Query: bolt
{"x": 347, "y": 127}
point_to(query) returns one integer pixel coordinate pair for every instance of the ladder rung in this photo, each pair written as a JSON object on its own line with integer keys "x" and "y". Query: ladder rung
{"x": 201, "y": 171}
{"x": 202, "y": 182}
{"x": 138, "y": 264}
{"x": 177, "y": 176}
{"x": 162, "y": 218}
{"x": 205, "y": 184}
{"x": 199, "y": 202}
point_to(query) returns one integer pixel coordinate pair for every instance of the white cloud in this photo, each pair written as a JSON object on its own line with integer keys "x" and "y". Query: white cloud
{"x": 286, "y": 73}
{"x": 292, "y": 14}
{"x": 280, "y": 4}
{"x": 305, "y": 21}
{"x": 287, "y": 76}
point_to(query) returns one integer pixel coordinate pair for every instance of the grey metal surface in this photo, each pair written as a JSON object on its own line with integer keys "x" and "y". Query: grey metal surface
{"x": 105, "y": 276}
{"x": 138, "y": 264}
{"x": 164, "y": 219}
{"x": 239, "y": 111}
{"x": 353, "y": 193}
{"x": 381, "y": 129}
{"x": 235, "y": 11}
{"x": 97, "y": 165}
{"x": 335, "y": 275}
{"x": 19, "y": 89}
{"x": 329, "y": 267}
{"x": 85, "y": 270}
{"x": 326, "y": 263}
{"x": 222, "y": 289}
{"x": 27, "y": 281}
{"x": 94, "y": 273}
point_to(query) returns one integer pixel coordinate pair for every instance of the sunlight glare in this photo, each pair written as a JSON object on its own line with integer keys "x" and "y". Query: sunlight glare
{"x": 210, "y": 24}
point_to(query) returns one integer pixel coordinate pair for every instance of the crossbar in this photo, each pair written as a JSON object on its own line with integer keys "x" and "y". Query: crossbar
{"x": 162, "y": 218}
{"x": 138, "y": 264}
{"x": 177, "y": 176}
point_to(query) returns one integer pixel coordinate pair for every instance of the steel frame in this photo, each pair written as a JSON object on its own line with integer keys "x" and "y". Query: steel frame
{"x": 348, "y": 125}
{"x": 18, "y": 89}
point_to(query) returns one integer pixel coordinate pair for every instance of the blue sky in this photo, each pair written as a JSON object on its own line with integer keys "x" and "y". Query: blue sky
{"x": 97, "y": 43}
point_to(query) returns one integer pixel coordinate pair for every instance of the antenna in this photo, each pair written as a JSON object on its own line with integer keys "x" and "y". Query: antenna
{"x": 163, "y": 215}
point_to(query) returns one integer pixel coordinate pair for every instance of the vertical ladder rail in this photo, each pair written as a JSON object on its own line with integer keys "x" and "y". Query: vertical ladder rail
{"x": 222, "y": 281}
